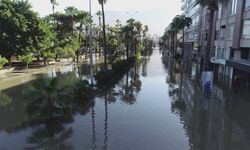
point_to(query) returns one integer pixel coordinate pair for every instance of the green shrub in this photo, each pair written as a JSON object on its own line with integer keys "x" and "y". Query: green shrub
{"x": 26, "y": 58}
{"x": 3, "y": 61}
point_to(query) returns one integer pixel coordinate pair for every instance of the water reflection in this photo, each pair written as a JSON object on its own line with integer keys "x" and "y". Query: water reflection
{"x": 5, "y": 100}
{"x": 50, "y": 136}
{"x": 219, "y": 122}
{"x": 50, "y": 105}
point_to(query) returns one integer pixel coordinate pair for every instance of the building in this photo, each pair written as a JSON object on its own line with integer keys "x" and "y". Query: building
{"x": 191, "y": 37}
{"x": 230, "y": 54}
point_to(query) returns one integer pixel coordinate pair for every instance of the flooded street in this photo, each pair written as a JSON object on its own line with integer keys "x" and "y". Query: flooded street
{"x": 151, "y": 107}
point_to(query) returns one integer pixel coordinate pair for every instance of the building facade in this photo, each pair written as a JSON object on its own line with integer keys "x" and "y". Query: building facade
{"x": 230, "y": 52}
{"x": 191, "y": 37}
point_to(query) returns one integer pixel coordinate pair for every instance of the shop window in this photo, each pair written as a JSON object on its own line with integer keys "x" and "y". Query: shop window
{"x": 244, "y": 54}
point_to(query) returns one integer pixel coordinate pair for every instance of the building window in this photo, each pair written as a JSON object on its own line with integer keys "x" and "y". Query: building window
{"x": 244, "y": 54}
{"x": 247, "y": 4}
{"x": 234, "y": 7}
{"x": 221, "y": 53}
{"x": 206, "y": 35}
{"x": 195, "y": 20}
{"x": 246, "y": 29}
{"x": 222, "y": 33}
{"x": 217, "y": 34}
{"x": 219, "y": 11}
{"x": 230, "y": 31}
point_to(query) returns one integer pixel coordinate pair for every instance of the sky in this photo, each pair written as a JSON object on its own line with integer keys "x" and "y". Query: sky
{"x": 157, "y": 14}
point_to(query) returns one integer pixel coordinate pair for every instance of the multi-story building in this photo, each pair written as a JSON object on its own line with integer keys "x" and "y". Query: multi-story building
{"x": 232, "y": 41}
{"x": 230, "y": 52}
{"x": 191, "y": 37}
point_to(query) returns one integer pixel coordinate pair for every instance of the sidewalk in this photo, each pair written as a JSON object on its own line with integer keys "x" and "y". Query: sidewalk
{"x": 16, "y": 76}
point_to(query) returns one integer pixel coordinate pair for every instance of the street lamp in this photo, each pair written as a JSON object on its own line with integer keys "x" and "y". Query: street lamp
{"x": 90, "y": 46}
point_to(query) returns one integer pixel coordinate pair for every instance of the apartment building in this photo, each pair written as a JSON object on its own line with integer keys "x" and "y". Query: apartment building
{"x": 232, "y": 41}
{"x": 191, "y": 37}
{"x": 230, "y": 53}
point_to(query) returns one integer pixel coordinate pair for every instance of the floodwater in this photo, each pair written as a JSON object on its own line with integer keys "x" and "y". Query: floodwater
{"x": 153, "y": 106}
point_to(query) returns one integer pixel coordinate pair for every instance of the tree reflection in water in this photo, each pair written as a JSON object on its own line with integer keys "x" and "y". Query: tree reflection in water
{"x": 125, "y": 89}
{"x": 53, "y": 97}
{"x": 130, "y": 85}
{"x": 51, "y": 104}
{"x": 4, "y": 100}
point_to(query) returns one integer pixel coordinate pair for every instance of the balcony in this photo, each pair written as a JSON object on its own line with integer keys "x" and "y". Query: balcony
{"x": 240, "y": 64}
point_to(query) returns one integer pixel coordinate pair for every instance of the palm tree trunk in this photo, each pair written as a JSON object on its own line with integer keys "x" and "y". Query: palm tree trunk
{"x": 127, "y": 49}
{"x": 99, "y": 42}
{"x": 104, "y": 36}
{"x": 135, "y": 46}
{"x": 53, "y": 9}
{"x": 176, "y": 38}
{"x": 183, "y": 42}
{"x": 206, "y": 63}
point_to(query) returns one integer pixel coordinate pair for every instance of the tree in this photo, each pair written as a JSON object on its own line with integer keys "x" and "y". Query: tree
{"x": 54, "y": 3}
{"x": 99, "y": 14}
{"x": 69, "y": 42}
{"x": 72, "y": 17}
{"x": 172, "y": 34}
{"x": 212, "y": 6}
{"x": 180, "y": 23}
{"x": 46, "y": 36}
{"x": 3, "y": 61}
{"x": 27, "y": 59}
{"x": 125, "y": 31}
{"x": 130, "y": 23}
{"x": 144, "y": 34}
{"x": 102, "y": 2}
{"x": 137, "y": 43}
{"x": 18, "y": 28}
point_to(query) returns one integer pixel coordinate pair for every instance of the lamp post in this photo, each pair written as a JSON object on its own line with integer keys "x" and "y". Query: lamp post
{"x": 90, "y": 46}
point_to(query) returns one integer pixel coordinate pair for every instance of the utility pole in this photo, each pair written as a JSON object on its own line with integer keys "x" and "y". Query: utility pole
{"x": 90, "y": 46}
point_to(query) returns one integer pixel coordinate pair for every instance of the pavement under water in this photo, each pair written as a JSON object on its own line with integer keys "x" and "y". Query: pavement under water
{"x": 152, "y": 107}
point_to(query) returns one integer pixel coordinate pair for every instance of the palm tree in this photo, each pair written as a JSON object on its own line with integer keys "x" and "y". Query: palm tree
{"x": 212, "y": 6}
{"x": 144, "y": 34}
{"x": 138, "y": 27}
{"x": 54, "y": 3}
{"x": 102, "y": 2}
{"x": 125, "y": 31}
{"x": 99, "y": 14}
{"x": 172, "y": 34}
{"x": 130, "y": 23}
{"x": 72, "y": 14}
{"x": 180, "y": 23}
